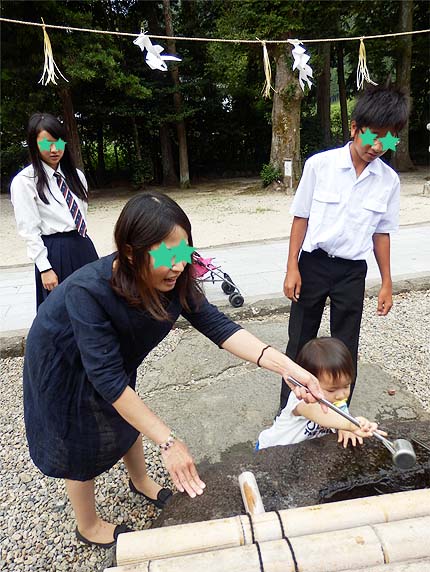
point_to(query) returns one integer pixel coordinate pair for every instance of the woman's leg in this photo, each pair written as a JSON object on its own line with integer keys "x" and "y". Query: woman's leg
{"x": 134, "y": 460}
{"x": 90, "y": 525}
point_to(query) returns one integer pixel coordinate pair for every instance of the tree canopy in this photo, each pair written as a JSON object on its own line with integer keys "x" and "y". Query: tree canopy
{"x": 125, "y": 112}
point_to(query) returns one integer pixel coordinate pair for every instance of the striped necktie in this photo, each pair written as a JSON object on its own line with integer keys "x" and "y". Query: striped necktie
{"x": 72, "y": 204}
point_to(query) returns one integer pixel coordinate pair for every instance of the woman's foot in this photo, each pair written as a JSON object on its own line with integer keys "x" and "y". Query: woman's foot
{"x": 101, "y": 532}
{"x": 152, "y": 491}
{"x": 147, "y": 486}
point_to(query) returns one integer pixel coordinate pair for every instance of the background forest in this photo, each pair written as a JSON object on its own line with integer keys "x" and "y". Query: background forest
{"x": 206, "y": 116}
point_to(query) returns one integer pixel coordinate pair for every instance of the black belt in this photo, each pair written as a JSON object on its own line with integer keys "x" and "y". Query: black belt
{"x": 323, "y": 253}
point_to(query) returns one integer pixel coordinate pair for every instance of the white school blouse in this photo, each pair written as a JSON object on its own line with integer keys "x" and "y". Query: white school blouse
{"x": 34, "y": 218}
{"x": 343, "y": 210}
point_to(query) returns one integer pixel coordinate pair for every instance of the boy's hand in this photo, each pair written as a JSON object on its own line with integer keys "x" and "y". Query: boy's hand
{"x": 293, "y": 285}
{"x": 385, "y": 300}
{"x": 345, "y": 436}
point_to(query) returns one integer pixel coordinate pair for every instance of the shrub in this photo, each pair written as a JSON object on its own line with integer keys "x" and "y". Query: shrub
{"x": 270, "y": 173}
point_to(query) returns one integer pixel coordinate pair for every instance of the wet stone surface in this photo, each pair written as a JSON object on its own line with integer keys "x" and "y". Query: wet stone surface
{"x": 309, "y": 473}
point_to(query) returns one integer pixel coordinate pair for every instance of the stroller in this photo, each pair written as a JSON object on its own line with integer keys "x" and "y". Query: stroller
{"x": 207, "y": 272}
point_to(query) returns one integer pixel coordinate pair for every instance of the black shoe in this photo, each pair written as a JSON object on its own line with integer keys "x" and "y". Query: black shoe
{"x": 162, "y": 499}
{"x": 119, "y": 529}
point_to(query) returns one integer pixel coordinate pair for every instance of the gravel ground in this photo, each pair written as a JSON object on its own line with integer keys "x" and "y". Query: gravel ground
{"x": 37, "y": 531}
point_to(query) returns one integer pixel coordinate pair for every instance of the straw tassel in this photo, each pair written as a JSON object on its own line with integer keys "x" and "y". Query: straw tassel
{"x": 362, "y": 71}
{"x": 267, "y": 72}
{"x": 49, "y": 73}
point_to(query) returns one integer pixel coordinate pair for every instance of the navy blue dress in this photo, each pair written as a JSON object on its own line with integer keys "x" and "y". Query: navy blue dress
{"x": 82, "y": 351}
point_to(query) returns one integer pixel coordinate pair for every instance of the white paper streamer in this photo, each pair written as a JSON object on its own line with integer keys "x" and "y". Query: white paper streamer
{"x": 362, "y": 71}
{"x": 49, "y": 74}
{"x": 153, "y": 57}
{"x": 301, "y": 59}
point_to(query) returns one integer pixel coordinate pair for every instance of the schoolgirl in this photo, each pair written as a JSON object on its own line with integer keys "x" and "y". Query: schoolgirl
{"x": 50, "y": 201}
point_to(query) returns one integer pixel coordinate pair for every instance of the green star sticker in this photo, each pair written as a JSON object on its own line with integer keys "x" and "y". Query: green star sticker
{"x": 44, "y": 145}
{"x": 183, "y": 252}
{"x": 162, "y": 256}
{"x": 368, "y": 138}
{"x": 60, "y": 144}
{"x": 389, "y": 142}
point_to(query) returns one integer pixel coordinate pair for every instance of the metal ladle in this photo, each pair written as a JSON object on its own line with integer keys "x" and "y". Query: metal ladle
{"x": 401, "y": 450}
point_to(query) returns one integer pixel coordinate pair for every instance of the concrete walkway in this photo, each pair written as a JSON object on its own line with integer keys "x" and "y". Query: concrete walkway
{"x": 257, "y": 269}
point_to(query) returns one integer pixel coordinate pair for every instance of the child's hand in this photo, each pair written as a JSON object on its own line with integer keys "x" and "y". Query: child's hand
{"x": 367, "y": 428}
{"x": 345, "y": 436}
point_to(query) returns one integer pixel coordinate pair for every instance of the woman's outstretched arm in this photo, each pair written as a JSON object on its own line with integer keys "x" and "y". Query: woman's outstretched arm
{"x": 245, "y": 345}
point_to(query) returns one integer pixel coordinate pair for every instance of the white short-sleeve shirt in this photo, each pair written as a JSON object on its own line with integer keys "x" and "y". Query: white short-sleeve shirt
{"x": 34, "y": 218}
{"x": 344, "y": 211}
{"x": 288, "y": 428}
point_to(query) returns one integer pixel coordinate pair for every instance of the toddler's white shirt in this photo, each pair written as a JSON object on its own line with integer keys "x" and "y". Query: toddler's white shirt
{"x": 289, "y": 428}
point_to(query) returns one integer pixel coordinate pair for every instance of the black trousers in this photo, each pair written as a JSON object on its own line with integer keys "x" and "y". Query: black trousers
{"x": 67, "y": 251}
{"x": 341, "y": 280}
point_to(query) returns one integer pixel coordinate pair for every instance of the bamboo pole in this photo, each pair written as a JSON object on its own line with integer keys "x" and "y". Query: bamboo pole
{"x": 236, "y": 531}
{"x": 363, "y": 547}
{"x": 409, "y": 566}
{"x": 250, "y": 493}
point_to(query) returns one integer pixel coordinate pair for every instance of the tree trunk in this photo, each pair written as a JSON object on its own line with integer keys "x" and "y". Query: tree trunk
{"x": 71, "y": 126}
{"x": 169, "y": 176}
{"x": 184, "y": 174}
{"x": 286, "y": 116}
{"x": 135, "y": 135}
{"x": 323, "y": 93}
{"x": 101, "y": 168}
{"x": 342, "y": 93}
{"x": 401, "y": 159}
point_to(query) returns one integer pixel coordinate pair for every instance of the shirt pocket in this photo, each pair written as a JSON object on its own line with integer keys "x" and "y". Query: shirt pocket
{"x": 325, "y": 203}
{"x": 371, "y": 213}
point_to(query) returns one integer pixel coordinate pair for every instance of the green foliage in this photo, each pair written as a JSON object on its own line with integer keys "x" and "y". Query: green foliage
{"x": 141, "y": 172}
{"x": 269, "y": 173}
{"x": 228, "y": 122}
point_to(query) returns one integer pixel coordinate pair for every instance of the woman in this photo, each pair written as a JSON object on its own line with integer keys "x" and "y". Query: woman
{"x": 50, "y": 200}
{"x": 81, "y": 411}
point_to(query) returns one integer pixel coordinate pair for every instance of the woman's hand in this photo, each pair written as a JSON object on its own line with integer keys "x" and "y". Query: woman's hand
{"x": 312, "y": 392}
{"x": 49, "y": 280}
{"x": 180, "y": 465}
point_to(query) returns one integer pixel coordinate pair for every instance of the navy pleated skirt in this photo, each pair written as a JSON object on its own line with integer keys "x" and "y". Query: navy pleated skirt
{"x": 67, "y": 251}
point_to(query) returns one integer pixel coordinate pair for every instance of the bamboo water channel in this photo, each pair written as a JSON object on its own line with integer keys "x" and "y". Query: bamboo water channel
{"x": 387, "y": 533}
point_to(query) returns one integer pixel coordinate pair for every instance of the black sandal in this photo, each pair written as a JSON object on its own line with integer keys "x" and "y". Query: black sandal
{"x": 162, "y": 499}
{"x": 119, "y": 529}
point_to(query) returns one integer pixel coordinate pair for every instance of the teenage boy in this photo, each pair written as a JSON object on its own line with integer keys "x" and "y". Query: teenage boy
{"x": 347, "y": 203}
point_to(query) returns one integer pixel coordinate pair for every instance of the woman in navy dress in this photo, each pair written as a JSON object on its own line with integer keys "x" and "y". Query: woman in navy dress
{"x": 82, "y": 413}
{"x": 52, "y": 222}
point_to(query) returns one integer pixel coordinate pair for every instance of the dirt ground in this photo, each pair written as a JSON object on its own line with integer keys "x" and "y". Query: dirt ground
{"x": 221, "y": 212}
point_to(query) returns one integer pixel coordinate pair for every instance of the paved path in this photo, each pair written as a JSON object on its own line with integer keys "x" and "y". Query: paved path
{"x": 257, "y": 269}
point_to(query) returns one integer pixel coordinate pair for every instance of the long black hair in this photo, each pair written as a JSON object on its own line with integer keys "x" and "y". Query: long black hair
{"x": 46, "y": 122}
{"x": 147, "y": 219}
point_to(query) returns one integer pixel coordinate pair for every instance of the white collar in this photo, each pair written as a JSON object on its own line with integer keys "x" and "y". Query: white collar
{"x": 50, "y": 172}
{"x": 345, "y": 161}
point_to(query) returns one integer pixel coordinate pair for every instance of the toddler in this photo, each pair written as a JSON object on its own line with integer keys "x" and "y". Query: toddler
{"x": 331, "y": 362}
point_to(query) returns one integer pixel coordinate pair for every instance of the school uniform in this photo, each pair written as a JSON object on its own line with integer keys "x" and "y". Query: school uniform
{"x": 49, "y": 230}
{"x": 344, "y": 212}
{"x": 82, "y": 351}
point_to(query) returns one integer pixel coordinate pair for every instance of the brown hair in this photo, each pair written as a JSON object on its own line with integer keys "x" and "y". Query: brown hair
{"x": 145, "y": 220}
{"x": 327, "y": 356}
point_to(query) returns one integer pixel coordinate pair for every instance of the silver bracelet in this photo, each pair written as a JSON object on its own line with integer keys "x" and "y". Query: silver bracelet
{"x": 167, "y": 444}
